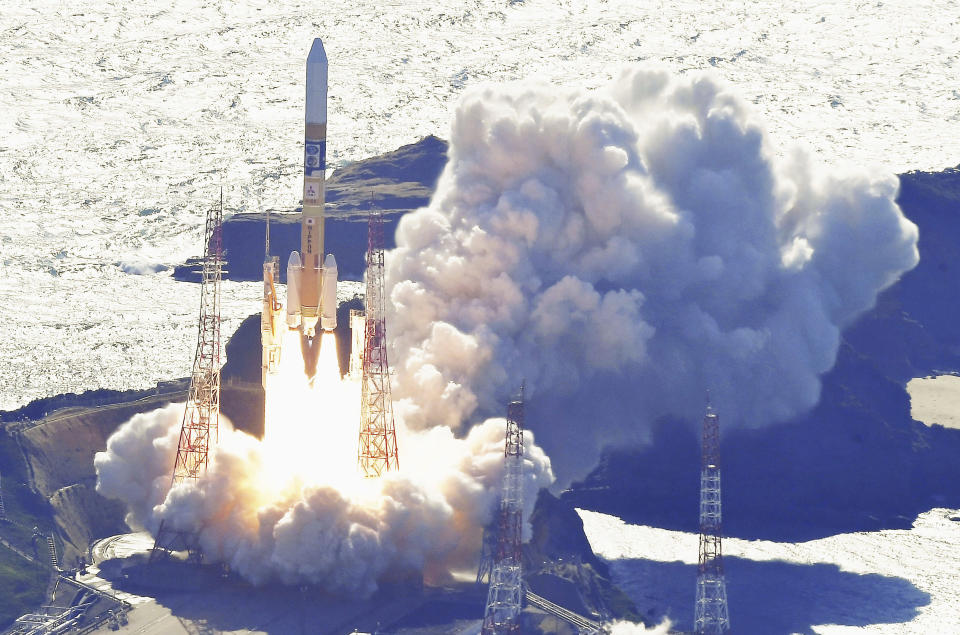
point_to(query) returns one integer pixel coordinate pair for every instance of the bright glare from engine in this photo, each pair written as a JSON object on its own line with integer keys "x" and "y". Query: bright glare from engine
{"x": 311, "y": 426}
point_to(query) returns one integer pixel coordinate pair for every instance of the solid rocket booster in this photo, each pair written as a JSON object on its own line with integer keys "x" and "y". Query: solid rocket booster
{"x": 328, "y": 297}
{"x": 293, "y": 297}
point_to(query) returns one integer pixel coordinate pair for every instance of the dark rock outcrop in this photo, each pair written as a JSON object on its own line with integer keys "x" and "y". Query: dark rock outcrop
{"x": 396, "y": 183}
{"x": 559, "y": 565}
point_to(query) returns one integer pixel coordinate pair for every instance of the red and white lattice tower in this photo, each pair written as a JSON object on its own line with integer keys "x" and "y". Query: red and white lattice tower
{"x": 202, "y": 412}
{"x": 505, "y": 594}
{"x": 710, "y": 615}
{"x": 377, "y": 448}
{"x": 488, "y": 552}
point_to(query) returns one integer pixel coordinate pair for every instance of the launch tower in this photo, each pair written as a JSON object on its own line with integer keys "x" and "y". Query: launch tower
{"x": 202, "y": 412}
{"x": 710, "y": 614}
{"x": 271, "y": 316}
{"x": 505, "y": 595}
{"x": 377, "y": 450}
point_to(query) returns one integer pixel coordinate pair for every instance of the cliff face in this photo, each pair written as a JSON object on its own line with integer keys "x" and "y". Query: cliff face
{"x": 60, "y": 447}
{"x": 59, "y": 451}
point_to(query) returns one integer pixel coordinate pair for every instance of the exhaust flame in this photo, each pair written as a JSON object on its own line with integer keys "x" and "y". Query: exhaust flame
{"x": 295, "y": 507}
{"x": 310, "y": 425}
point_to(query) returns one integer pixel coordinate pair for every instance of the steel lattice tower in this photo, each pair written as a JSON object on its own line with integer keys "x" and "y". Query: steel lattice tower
{"x": 505, "y": 595}
{"x": 377, "y": 448}
{"x": 710, "y": 615}
{"x": 202, "y": 412}
{"x": 488, "y": 552}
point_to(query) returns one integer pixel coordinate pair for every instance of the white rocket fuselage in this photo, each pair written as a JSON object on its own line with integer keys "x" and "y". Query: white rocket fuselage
{"x": 306, "y": 285}
{"x": 311, "y": 278}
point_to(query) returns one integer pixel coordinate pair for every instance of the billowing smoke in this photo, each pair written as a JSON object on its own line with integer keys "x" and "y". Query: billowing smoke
{"x": 631, "y": 628}
{"x": 624, "y": 250}
{"x": 272, "y": 514}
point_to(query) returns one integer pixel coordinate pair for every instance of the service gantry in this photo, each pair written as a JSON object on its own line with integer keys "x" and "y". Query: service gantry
{"x": 377, "y": 447}
{"x": 710, "y": 614}
{"x": 202, "y": 412}
{"x": 505, "y": 594}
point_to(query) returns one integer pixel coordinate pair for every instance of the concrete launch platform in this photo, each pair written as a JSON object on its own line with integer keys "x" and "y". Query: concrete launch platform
{"x": 227, "y": 606}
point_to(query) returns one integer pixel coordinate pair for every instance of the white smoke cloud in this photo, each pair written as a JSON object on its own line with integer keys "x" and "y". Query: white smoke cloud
{"x": 631, "y": 628}
{"x": 141, "y": 267}
{"x": 624, "y": 250}
{"x": 138, "y": 462}
{"x": 428, "y": 517}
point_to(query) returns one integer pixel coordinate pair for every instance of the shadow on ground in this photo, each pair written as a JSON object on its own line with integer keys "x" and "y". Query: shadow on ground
{"x": 772, "y": 597}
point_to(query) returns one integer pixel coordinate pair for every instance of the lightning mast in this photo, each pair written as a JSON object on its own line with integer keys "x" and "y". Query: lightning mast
{"x": 271, "y": 316}
{"x": 202, "y": 412}
{"x": 505, "y": 595}
{"x": 710, "y": 614}
{"x": 377, "y": 449}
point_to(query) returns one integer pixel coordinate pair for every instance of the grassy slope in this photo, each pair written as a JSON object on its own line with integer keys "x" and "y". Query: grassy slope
{"x": 22, "y": 586}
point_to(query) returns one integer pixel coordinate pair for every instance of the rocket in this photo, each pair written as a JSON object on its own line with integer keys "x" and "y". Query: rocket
{"x": 313, "y": 272}
{"x": 311, "y": 277}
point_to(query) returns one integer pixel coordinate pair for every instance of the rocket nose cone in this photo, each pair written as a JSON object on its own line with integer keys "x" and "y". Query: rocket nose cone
{"x": 317, "y": 53}
{"x": 294, "y": 260}
{"x": 330, "y": 262}
{"x": 316, "y": 102}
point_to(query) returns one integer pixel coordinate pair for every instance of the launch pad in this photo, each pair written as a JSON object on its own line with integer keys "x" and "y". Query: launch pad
{"x": 218, "y": 604}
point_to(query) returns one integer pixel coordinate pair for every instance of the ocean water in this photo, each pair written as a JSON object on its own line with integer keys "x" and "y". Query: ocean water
{"x": 890, "y": 582}
{"x": 122, "y": 121}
